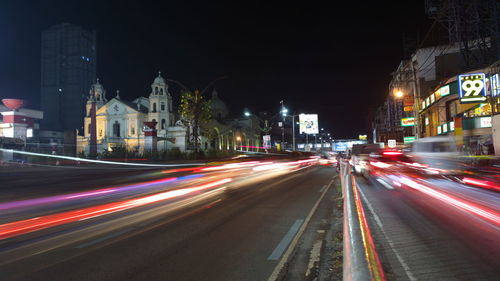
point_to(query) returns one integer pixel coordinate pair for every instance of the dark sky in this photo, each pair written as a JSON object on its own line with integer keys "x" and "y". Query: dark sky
{"x": 329, "y": 58}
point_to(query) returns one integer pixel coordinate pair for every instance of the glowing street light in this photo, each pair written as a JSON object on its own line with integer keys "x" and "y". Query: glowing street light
{"x": 398, "y": 94}
{"x": 247, "y": 114}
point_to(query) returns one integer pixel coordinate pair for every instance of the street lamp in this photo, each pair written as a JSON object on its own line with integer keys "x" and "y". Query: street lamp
{"x": 398, "y": 93}
{"x": 238, "y": 138}
{"x": 247, "y": 114}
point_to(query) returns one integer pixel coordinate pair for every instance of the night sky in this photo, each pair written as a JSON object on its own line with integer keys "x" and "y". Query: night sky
{"x": 326, "y": 58}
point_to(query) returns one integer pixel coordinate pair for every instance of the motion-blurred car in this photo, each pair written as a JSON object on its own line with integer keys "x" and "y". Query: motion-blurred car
{"x": 360, "y": 154}
{"x": 439, "y": 153}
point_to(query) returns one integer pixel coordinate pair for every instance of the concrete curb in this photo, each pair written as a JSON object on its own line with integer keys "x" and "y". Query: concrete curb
{"x": 361, "y": 260}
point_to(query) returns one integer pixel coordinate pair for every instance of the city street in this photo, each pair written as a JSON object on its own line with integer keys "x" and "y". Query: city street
{"x": 421, "y": 239}
{"x": 237, "y": 235}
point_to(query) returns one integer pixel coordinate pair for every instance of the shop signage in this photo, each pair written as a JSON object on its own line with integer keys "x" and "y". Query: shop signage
{"x": 363, "y": 137}
{"x": 485, "y": 122}
{"x": 445, "y": 128}
{"x": 452, "y": 126}
{"x": 408, "y": 121}
{"x": 409, "y": 139}
{"x": 495, "y": 85}
{"x": 472, "y": 88}
{"x": 439, "y": 130}
{"x": 426, "y": 121}
{"x": 408, "y": 108}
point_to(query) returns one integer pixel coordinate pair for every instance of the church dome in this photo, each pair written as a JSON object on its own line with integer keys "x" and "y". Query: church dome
{"x": 159, "y": 79}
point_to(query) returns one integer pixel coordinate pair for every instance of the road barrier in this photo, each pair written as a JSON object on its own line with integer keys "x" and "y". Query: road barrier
{"x": 361, "y": 261}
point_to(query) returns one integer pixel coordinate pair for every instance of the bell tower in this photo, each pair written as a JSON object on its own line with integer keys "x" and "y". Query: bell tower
{"x": 160, "y": 104}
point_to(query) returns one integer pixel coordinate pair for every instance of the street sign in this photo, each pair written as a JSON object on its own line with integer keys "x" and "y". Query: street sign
{"x": 308, "y": 123}
{"x": 408, "y": 122}
{"x": 391, "y": 143}
{"x": 472, "y": 88}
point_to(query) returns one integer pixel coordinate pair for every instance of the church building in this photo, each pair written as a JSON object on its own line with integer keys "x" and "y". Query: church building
{"x": 121, "y": 123}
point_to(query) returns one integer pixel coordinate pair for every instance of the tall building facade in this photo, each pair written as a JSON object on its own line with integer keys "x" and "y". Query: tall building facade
{"x": 68, "y": 67}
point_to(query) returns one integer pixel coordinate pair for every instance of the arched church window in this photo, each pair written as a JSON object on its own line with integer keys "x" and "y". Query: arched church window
{"x": 156, "y": 90}
{"x": 161, "y": 91}
{"x": 116, "y": 129}
{"x": 154, "y": 107}
{"x": 162, "y": 106}
{"x": 163, "y": 123}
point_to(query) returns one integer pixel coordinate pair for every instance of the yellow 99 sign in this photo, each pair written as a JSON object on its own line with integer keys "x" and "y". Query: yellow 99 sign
{"x": 472, "y": 88}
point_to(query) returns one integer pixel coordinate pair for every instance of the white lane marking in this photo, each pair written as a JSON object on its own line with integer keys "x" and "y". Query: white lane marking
{"x": 386, "y": 185}
{"x": 379, "y": 224}
{"x": 322, "y": 189}
{"x": 315, "y": 255}
{"x": 276, "y": 254}
{"x": 98, "y": 240}
{"x": 275, "y": 274}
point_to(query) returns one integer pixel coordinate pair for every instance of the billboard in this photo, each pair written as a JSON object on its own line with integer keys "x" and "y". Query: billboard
{"x": 308, "y": 123}
{"x": 408, "y": 121}
{"x": 472, "y": 88}
{"x": 266, "y": 141}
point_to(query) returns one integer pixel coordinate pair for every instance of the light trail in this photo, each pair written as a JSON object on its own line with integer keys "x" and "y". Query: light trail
{"x": 473, "y": 209}
{"x": 98, "y": 161}
{"x": 34, "y": 224}
{"x": 85, "y": 194}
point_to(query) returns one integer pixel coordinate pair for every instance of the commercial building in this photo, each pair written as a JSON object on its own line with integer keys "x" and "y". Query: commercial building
{"x": 68, "y": 67}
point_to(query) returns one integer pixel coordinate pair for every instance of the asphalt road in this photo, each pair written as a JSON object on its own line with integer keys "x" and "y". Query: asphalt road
{"x": 237, "y": 235}
{"x": 420, "y": 239}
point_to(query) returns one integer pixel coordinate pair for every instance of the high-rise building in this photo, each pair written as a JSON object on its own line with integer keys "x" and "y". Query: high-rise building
{"x": 68, "y": 67}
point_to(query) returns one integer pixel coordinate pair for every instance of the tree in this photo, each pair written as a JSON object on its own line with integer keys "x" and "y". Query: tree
{"x": 195, "y": 111}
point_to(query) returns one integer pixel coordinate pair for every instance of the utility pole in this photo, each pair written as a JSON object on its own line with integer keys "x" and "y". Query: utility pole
{"x": 293, "y": 131}
{"x": 416, "y": 101}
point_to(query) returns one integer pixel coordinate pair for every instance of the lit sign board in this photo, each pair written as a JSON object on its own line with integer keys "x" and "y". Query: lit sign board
{"x": 391, "y": 143}
{"x": 452, "y": 126}
{"x": 485, "y": 122}
{"x": 472, "y": 88}
{"x": 445, "y": 128}
{"x": 408, "y": 121}
{"x": 266, "y": 140}
{"x": 444, "y": 91}
{"x": 308, "y": 123}
{"x": 423, "y": 104}
{"x": 363, "y": 137}
{"x": 426, "y": 121}
{"x": 427, "y": 101}
{"x": 408, "y": 139}
{"x": 433, "y": 98}
{"x": 439, "y": 129}
{"x": 495, "y": 85}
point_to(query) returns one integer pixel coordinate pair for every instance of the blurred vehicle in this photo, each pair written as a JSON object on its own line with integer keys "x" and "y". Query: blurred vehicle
{"x": 360, "y": 154}
{"x": 327, "y": 159}
{"x": 388, "y": 162}
{"x": 440, "y": 153}
{"x": 480, "y": 171}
